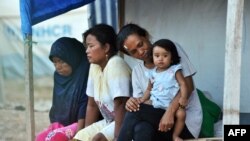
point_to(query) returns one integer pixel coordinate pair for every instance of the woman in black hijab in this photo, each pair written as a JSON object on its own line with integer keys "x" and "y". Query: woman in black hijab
{"x": 69, "y": 93}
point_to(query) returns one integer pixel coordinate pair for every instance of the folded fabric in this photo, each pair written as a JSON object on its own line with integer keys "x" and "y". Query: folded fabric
{"x": 58, "y": 136}
{"x": 211, "y": 114}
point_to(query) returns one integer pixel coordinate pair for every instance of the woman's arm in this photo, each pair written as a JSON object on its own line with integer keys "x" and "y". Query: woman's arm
{"x": 138, "y": 78}
{"x": 80, "y": 124}
{"x": 167, "y": 120}
{"x": 119, "y": 104}
{"x": 183, "y": 101}
{"x": 146, "y": 95}
{"x": 92, "y": 113}
{"x": 190, "y": 85}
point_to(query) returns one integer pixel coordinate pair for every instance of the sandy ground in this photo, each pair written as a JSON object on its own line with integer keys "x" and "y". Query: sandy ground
{"x": 12, "y": 110}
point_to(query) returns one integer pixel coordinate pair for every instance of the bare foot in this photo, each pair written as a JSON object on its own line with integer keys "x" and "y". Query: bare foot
{"x": 177, "y": 138}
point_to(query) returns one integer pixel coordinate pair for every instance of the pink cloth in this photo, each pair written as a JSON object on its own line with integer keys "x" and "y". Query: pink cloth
{"x": 57, "y": 132}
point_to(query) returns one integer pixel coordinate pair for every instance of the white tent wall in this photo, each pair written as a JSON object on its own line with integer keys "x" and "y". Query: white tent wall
{"x": 200, "y": 27}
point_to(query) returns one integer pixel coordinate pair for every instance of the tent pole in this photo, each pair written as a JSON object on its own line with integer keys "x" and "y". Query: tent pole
{"x": 29, "y": 90}
{"x": 121, "y": 13}
{"x": 2, "y": 98}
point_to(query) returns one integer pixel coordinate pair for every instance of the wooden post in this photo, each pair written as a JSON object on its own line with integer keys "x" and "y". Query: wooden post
{"x": 121, "y": 17}
{"x": 29, "y": 90}
{"x": 121, "y": 13}
{"x": 2, "y": 98}
{"x": 231, "y": 103}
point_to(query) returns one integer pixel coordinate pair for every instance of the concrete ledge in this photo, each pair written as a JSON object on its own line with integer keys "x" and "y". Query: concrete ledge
{"x": 206, "y": 139}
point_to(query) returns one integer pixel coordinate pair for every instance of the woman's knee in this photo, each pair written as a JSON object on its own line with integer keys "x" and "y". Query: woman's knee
{"x": 99, "y": 137}
{"x": 143, "y": 128}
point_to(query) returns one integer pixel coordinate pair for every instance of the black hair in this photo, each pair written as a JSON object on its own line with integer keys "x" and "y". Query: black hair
{"x": 168, "y": 45}
{"x": 127, "y": 30}
{"x": 104, "y": 34}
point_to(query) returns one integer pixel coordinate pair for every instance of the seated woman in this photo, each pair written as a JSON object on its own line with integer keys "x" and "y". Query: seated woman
{"x": 165, "y": 80}
{"x": 67, "y": 113}
{"x": 108, "y": 88}
{"x": 134, "y": 40}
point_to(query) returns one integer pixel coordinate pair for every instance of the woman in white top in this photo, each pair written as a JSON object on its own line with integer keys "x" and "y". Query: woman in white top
{"x": 134, "y": 41}
{"x": 108, "y": 88}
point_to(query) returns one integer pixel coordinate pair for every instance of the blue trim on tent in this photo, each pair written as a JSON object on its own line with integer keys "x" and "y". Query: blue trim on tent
{"x": 45, "y": 9}
{"x": 35, "y": 11}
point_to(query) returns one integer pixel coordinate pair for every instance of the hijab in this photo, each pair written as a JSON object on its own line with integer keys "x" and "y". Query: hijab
{"x": 69, "y": 93}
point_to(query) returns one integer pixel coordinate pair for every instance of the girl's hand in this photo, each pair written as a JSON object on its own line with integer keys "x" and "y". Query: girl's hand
{"x": 132, "y": 104}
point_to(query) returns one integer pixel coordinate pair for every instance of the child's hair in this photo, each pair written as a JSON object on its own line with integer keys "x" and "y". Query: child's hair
{"x": 168, "y": 45}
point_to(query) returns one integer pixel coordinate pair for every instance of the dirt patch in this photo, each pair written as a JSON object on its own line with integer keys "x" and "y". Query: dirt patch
{"x": 12, "y": 110}
{"x": 13, "y": 124}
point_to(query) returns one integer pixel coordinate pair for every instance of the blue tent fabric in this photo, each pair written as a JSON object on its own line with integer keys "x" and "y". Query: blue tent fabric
{"x": 35, "y": 11}
{"x": 25, "y": 10}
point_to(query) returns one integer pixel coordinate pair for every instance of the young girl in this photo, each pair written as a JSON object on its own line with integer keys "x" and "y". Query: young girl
{"x": 165, "y": 80}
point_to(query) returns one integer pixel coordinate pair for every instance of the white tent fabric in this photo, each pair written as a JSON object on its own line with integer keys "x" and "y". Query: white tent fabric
{"x": 71, "y": 24}
{"x": 12, "y": 52}
{"x": 200, "y": 27}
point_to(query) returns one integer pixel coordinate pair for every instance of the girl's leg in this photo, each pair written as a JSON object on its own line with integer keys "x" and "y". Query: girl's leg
{"x": 185, "y": 134}
{"x": 179, "y": 125}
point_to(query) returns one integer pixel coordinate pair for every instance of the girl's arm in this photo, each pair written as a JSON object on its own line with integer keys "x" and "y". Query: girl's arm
{"x": 119, "y": 103}
{"x": 92, "y": 113}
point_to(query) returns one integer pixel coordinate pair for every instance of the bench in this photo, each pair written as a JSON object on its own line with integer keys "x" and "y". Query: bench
{"x": 206, "y": 139}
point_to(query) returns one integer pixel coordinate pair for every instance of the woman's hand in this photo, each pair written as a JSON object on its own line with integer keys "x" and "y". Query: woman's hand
{"x": 133, "y": 104}
{"x": 167, "y": 121}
